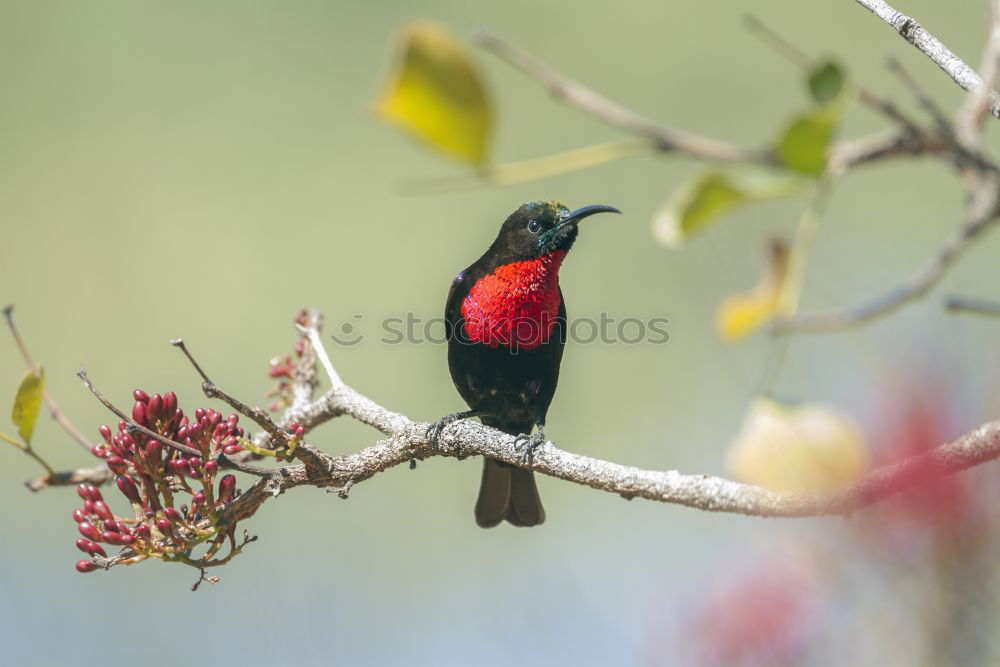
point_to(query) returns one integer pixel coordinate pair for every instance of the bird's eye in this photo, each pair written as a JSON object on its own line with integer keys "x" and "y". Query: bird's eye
{"x": 534, "y": 226}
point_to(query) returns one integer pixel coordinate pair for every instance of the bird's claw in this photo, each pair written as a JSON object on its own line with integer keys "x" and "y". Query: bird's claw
{"x": 529, "y": 443}
{"x": 436, "y": 429}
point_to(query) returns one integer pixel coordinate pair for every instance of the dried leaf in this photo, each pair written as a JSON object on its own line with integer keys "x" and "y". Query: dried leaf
{"x": 435, "y": 92}
{"x": 742, "y": 313}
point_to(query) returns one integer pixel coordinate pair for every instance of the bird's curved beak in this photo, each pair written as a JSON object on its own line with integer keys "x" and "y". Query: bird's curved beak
{"x": 574, "y": 217}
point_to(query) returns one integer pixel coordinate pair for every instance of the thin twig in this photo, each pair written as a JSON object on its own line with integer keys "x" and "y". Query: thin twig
{"x": 910, "y": 30}
{"x": 259, "y": 416}
{"x": 969, "y": 124}
{"x": 577, "y": 95}
{"x": 785, "y": 48}
{"x": 131, "y": 424}
{"x": 312, "y": 333}
{"x": 56, "y": 414}
{"x": 981, "y": 216}
{"x": 957, "y": 304}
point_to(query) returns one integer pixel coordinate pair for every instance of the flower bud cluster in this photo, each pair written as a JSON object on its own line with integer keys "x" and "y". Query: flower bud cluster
{"x": 173, "y": 496}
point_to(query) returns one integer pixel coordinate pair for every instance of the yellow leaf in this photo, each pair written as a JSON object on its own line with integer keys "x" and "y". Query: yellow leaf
{"x": 742, "y": 313}
{"x": 802, "y": 449}
{"x": 28, "y": 403}
{"x": 436, "y": 93}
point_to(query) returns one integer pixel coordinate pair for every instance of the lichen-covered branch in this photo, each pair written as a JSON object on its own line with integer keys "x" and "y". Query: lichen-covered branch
{"x": 914, "y": 33}
{"x": 406, "y": 441}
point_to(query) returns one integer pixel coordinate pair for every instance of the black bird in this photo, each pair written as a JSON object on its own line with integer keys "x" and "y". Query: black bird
{"x": 506, "y": 327}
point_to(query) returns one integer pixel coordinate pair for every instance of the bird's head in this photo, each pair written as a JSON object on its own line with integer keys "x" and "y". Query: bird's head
{"x": 540, "y": 227}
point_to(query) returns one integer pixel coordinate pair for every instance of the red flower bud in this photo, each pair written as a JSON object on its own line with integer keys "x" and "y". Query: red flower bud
{"x": 128, "y": 539}
{"x": 93, "y": 493}
{"x": 105, "y": 433}
{"x": 111, "y": 525}
{"x": 100, "y": 451}
{"x": 79, "y": 515}
{"x": 88, "y": 547}
{"x": 165, "y": 527}
{"x": 88, "y": 506}
{"x": 154, "y": 409}
{"x": 81, "y": 491}
{"x": 127, "y": 487}
{"x": 199, "y": 414}
{"x": 211, "y": 468}
{"x": 232, "y": 449}
{"x": 85, "y": 566}
{"x": 89, "y": 530}
{"x": 112, "y": 538}
{"x": 139, "y": 413}
{"x": 169, "y": 403}
{"x": 117, "y": 465}
{"x": 102, "y": 510}
{"x": 140, "y": 395}
{"x": 227, "y": 485}
{"x": 171, "y": 514}
{"x": 142, "y": 530}
{"x": 154, "y": 452}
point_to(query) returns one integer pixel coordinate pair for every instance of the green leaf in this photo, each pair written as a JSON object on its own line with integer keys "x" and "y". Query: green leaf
{"x": 705, "y": 198}
{"x": 826, "y": 82}
{"x": 436, "y": 93}
{"x": 803, "y": 144}
{"x": 28, "y": 403}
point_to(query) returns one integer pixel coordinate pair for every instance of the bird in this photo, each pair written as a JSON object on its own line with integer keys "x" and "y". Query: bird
{"x": 505, "y": 322}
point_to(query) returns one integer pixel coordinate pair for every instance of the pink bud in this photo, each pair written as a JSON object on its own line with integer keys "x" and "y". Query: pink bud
{"x": 112, "y": 538}
{"x": 88, "y": 547}
{"x": 226, "y": 487}
{"x": 105, "y": 433}
{"x": 81, "y": 491}
{"x": 100, "y": 451}
{"x": 211, "y": 468}
{"x": 233, "y": 449}
{"x": 154, "y": 409}
{"x": 198, "y": 414}
{"x": 79, "y": 515}
{"x": 89, "y": 531}
{"x": 142, "y": 530}
{"x": 169, "y": 403}
{"x": 127, "y": 487}
{"x": 154, "y": 451}
{"x": 139, "y": 412}
{"x": 171, "y": 514}
{"x": 140, "y": 396}
{"x": 117, "y": 464}
{"x": 164, "y": 527}
{"x": 102, "y": 510}
{"x": 85, "y": 566}
{"x": 88, "y": 506}
{"x": 111, "y": 525}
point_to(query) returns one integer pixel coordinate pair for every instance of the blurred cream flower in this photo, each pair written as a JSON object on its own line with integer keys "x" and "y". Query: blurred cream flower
{"x": 808, "y": 448}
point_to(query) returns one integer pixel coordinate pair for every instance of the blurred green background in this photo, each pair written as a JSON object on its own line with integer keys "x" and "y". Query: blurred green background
{"x": 205, "y": 169}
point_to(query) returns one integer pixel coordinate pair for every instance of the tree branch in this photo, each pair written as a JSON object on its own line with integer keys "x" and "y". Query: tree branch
{"x": 910, "y": 30}
{"x": 407, "y": 441}
{"x": 981, "y": 215}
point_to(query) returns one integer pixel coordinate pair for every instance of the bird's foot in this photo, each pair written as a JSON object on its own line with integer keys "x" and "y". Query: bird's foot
{"x": 529, "y": 443}
{"x": 435, "y": 429}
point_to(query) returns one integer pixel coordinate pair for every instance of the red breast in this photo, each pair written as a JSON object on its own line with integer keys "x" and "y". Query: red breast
{"x": 517, "y": 305}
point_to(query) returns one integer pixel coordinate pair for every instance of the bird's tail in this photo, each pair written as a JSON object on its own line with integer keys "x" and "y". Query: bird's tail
{"x": 508, "y": 492}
